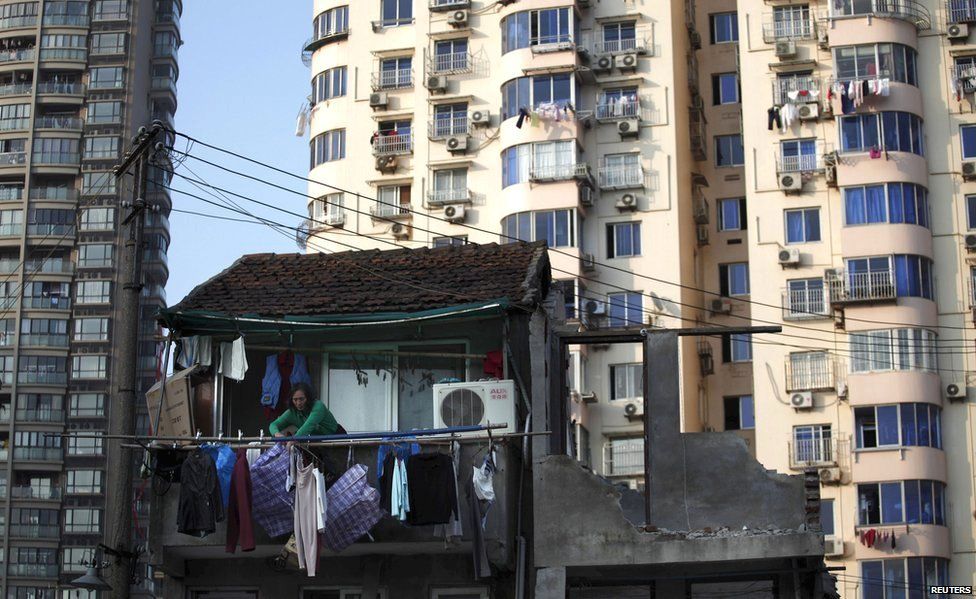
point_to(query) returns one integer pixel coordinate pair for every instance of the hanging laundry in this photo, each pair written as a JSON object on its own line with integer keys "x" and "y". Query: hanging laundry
{"x": 884, "y": 87}
{"x": 773, "y": 118}
{"x": 195, "y": 350}
{"x": 453, "y": 530}
{"x": 272, "y": 505}
{"x": 482, "y": 479}
{"x": 432, "y": 485}
{"x": 788, "y": 113}
{"x": 253, "y": 453}
{"x": 321, "y": 501}
{"x": 224, "y": 458}
{"x": 281, "y": 372}
{"x": 233, "y": 361}
{"x": 305, "y": 518}
{"x": 403, "y": 450}
{"x": 493, "y": 364}
{"x": 522, "y": 115}
{"x": 846, "y": 102}
{"x": 240, "y": 525}
{"x": 479, "y": 553}
{"x": 892, "y": 540}
{"x": 354, "y": 508}
{"x": 200, "y": 505}
{"x": 400, "y": 494}
{"x": 301, "y": 121}
{"x": 870, "y": 537}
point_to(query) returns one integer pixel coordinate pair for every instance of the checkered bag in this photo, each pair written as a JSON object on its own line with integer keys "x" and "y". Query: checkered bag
{"x": 271, "y": 505}
{"x": 354, "y": 508}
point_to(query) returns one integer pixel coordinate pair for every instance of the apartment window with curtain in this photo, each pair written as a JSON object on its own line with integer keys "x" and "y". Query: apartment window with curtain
{"x": 733, "y": 279}
{"x": 736, "y": 348}
{"x": 740, "y": 413}
{"x": 967, "y": 133}
{"x": 627, "y": 382}
{"x": 625, "y": 309}
{"x": 538, "y": 28}
{"x": 89, "y": 367}
{"x": 729, "y": 151}
{"x": 798, "y": 156}
{"x": 530, "y": 92}
{"x": 899, "y": 425}
{"x": 450, "y": 119}
{"x": 84, "y": 482}
{"x": 86, "y": 405}
{"x": 329, "y": 84}
{"x": 971, "y": 212}
{"x": 555, "y": 159}
{"x": 890, "y": 131}
{"x": 872, "y": 277}
{"x": 901, "y": 502}
{"x": 732, "y": 214}
{"x": 812, "y": 445}
{"x": 392, "y": 200}
{"x": 889, "y": 578}
{"x": 792, "y": 22}
{"x": 450, "y": 185}
{"x": 396, "y": 13}
{"x": 802, "y": 225}
{"x": 619, "y": 37}
{"x": 895, "y": 62}
{"x": 805, "y": 297}
{"x": 725, "y": 88}
{"x": 618, "y": 102}
{"x": 558, "y": 228}
{"x": 892, "y": 203}
{"x": 623, "y": 240}
{"x": 451, "y": 56}
{"x": 331, "y": 22}
{"x": 893, "y": 349}
{"x": 328, "y": 147}
{"x": 396, "y": 72}
{"x": 106, "y": 78}
{"x": 93, "y": 292}
{"x": 724, "y": 27}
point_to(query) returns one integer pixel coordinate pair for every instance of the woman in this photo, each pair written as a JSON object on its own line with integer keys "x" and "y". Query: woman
{"x": 308, "y": 415}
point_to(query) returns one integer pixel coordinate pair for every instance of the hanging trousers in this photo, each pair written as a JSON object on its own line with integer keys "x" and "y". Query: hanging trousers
{"x": 306, "y": 527}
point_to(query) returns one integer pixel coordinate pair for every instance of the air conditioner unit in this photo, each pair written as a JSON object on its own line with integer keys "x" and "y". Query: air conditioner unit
{"x": 790, "y": 182}
{"x": 386, "y": 164}
{"x": 833, "y": 547}
{"x": 437, "y": 83}
{"x": 785, "y": 49}
{"x": 701, "y": 235}
{"x": 957, "y": 31}
{"x": 480, "y": 118}
{"x": 969, "y": 170}
{"x": 802, "y": 400}
{"x": 458, "y": 18}
{"x": 626, "y": 62}
{"x": 603, "y": 64}
{"x": 830, "y": 175}
{"x": 454, "y": 214}
{"x": 475, "y": 404}
{"x": 721, "y": 306}
{"x": 587, "y": 263}
{"x": 628, "y": 201}
{"x": 634, "y": 410}
{"x": 970, "y": 241}
{"x": 830, "y": 476}
{"x": 842, "y": 389}
{"x": 457, "y": 144}
{"x": 955, "y": 391}
{"x": 595, "y": 308}
{"x": 378, "y": 100}
{"x": 695, "y": 38}
{"x": 628, "y": 128}
{"x": 400, "y": 230}
{"x": 585, "y": 195}
{"x": 809, "y": 111}
{"x": 789, "y": 257}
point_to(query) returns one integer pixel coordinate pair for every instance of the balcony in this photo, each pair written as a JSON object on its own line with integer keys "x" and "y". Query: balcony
{"x": 447, "y": 5}
{"x": 38, "y": 340}
{"x": 11, "y": 229}
{"x": 774, "y": 30}
{"x": 613, "y": 111}
{"x": 389, "y": 210}
{"x": 61, "y": 88}
{"x": 640, "y": 44}
{"x": 166, "y": 51}
{"x": 818, "y": 453}
{"x": 450, "y": 64}
{"x": 79, "y": 54}
{"x": 35, "y": 531}
{"x": 560, "y": 172}
{"x": 385, "y": 144}
{"x": 33, "y": 570}
{"x": 72, "y": 123}
{"x": 105, "y": 16}
{"x": 39, "y": 493}
{"x": 861, "y": 287}
{"x": 439, "y": 197}
{"x": 54, "y": 194}
{"x": 165, "y": 84}
{"x": 805, "y": 304}
{"x": 793, "y": 89}
{"x": 811, "y": 371}
{"x": 66, "y": 20}
{"x": 392, "y": 79}
{"x": 14, "y": 124}
{"x": 624, "y": 458}
{"x": 40, "y": 414}
{"x": 15, "y": 89}
{"x": 621, "y": 177}
{"x": 51, "y": 229}
{"x": 24, "y": 55}
{"x": 906, "y": 10}
{"x": 441, "y": 127}
{"x": 54, "y": 266}
{"x": 961, "y": 11}
{"x": 801, "y": 162}
{"x": 13, "y": 158}
{"x": 38, "y": 454}
{"x": 18, "y": 22}
{"x": 56, "y": 158}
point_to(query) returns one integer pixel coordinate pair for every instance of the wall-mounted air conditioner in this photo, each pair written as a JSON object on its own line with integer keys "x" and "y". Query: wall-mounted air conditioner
{"x": 475, "y": 404}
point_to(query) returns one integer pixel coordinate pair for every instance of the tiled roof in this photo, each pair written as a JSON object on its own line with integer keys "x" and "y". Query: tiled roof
{"x": 373, "y": 281}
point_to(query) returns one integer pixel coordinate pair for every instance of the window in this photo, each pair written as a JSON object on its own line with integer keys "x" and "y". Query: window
{"x": 827, "y": 517}
{"x": 329, "y": 84}
{"x": 33, "y": 562}
{"x": 450, "y": 185}
{"x": 104, "y": 113}
{"x": 802, "y": 226}
{"x": 84, "y": 446}
{"x": 893, "y": 349}
{"x": 889, "y": 131}
{"x": 82, "y": 520}
{"x": 621, "y": 171}
{"x": 108, "y": 43}
{"x": 798, "y": 156}
{"x": 618, "y": 103}
{"x": 44, "y": 331}
{"x": 728, "y": 150}
{"x": 544, "y": 160}
{"x": 451, "y": 56}
{"x": 732, "y": 214}
{"x": 107, "y": 10}
{"x": 42, "y": 370}
{"x": 556, "y": 227}
{"x": 889, "y": 578}
{"x": 895, "y": 203}
{"x": 876, "y": 61}
{"x": 812, "y": 445}
{"x": 623, "y": 240}
{"x": 902, "y": 425}
{"x": 53, "y": 150}
{"x": 725, "y": 88}
{"x": 971, "y": 211}
{"x": 392, "y": 200}
{"x": 724, "y": 27}
{"x": 626, "y": 309}
{"x": 95, "y": 255}
{"x": 791, "y": 22}
{"x": 72, "y": 558}
{"x": 627, "y": 382}
{"x": 740, "y": 413}
{"x": 396, "y": 12}
{"x": 91, "y": 329}
{"x": 101, "y": 148}
{"x": 331, "y": 22}
{"x": 89, "y": 367}
{"x": 531, "y": 92}
{"x": 440, "y": 242}
{"x": 396, "y": 73}
{"x": 794, "y": 85}
{"x": 805, "y": 298}
{"x": 572, "y": 291}
{"x": 21, "y": 592}
{"x": 619, "y": 37}
{"x": 97, "y": 183}
{"x": 328, "y": 210}
{"x": 328, "y": 146}
{"x": 93, "y": 292}
{"x": 14, "y": 116}
{"x": 550, "y": 26}
{"x": 901, "y": 502}
{"x": 450, "y": 119}
{"x": 968, "y": 135}
{"x": 106, "y": 78}
{"x": 98, "y": 219}
{"x": 624, "y": 456}
{"x": 84, "y": 482}
{"x": 733, "y": 279}
{"x": 86, "y": 405}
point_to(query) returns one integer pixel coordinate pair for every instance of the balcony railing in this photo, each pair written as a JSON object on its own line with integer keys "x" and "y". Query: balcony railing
{"x": 907, "y": 10}
{"x": 448, "y": 126}
{"x": 392, "y": 79}
{"x": 551, "y": 43}
{"x": 35, "y": 531}
{"x": 40, "y": 454}
{"x": 44, "y": 340}
{"x": 445, "y": 64}
{"x": 114, "y": 15}
{"x": 812, "y": 371}
{"x": 324, "y": 37}
{"x": 813, "y": 453}
{"x": 58, "y": 122}
{"x": 19, "y": 21}
{"x": 961, "y": 11}
{"x": 437, "y": 197}
{"x": 165, "y": 50}
{"x": 387, "y": 210}
{"x": 64, "y": 53}
{"x": 72, "y": 158}
{"x": 855, "y": 287}
{"x": 639, "y": 44}
{"x": 66, "y": 20}
{"x": 623, "y": 459}
{"x": 24, "y": 55}
{"x": 40, "y": 414}
{"x": 559, "y": 172}
{"x": 624, "y": 109}
{"x": 621, "y": 177}
{"x": 398, "y": 143}
{"x": 790, "y": 89}
{"x": 13, "y": 158}
{"x": 11, "y": 229}
{"x": 54, "y": 194}
{"x": 61, "y": 88}
{"x": 805, "y": 304}
{"x": 793, "y": 29}
{"x": 29, "y": 492}
{"x": 33, "y": 570}
{"x": 803, "y": 163}
{"x": 15, "y": 89}
{"x": 14, "y": 124}
{"x": 51, "y": 266}
{"x": 51, "y": 229}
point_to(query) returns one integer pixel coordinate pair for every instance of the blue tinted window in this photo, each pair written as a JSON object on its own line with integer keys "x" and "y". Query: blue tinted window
{"x": 968, "y": 135}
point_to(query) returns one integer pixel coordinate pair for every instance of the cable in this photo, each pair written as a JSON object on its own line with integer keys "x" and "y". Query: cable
{"x": 472, "y": 227}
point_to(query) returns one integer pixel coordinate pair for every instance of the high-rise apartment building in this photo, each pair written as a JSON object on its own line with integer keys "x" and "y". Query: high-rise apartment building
{"x": 703, "y": 163}
{"x": 77, "y": 79}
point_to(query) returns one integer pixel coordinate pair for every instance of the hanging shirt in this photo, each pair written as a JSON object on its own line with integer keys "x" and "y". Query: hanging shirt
{"x": 200, "y": 505}
{"x": 240, "y": 526}
{"x": 432, "y": 488}
{"x": 233, "y": 361}
{"x": 400, "y": 494}
{"x": 224, "y": 459}
{"x": 321, "y": 501}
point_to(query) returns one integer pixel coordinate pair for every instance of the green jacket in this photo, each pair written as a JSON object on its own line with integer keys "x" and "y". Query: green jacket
{"x": 317, "y": 421}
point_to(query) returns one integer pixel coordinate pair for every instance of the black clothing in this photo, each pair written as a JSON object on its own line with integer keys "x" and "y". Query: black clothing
{"x": 773, "y": 118}
{"x": 201, "y": 505}
{"x": 432, "y": 488}
{"x": 386, "y": 481}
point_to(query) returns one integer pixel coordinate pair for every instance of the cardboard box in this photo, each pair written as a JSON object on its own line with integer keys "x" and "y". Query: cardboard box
{"x": 177, "y": 415}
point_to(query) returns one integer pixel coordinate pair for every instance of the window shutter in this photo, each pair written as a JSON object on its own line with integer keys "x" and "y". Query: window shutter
{"x": 723, "y": 280}
{"x": 726, "y": 348}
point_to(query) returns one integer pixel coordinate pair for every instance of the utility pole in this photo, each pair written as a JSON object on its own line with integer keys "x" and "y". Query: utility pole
{"x": 122, "y": 416}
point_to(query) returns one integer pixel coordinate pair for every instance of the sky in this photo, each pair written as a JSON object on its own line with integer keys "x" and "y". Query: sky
{"x": 241, "y": 85}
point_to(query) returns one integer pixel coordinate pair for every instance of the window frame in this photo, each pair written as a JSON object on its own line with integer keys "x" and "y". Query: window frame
{"x": 736, "y": 154}
{"x": 625, "y": 300}
{"x": 615, "y": 231}
{"x": 719, "y": 89}
{"x": 810, "y": 225}
{"x": 732, "y": 25}
{"x": 745, "y": 412}
{"x": 633, "y": 376}
{"x": 727, "y": 279}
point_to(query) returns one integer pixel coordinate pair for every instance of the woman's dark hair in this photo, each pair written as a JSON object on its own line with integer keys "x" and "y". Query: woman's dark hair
{"x": 309, "y": 393}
